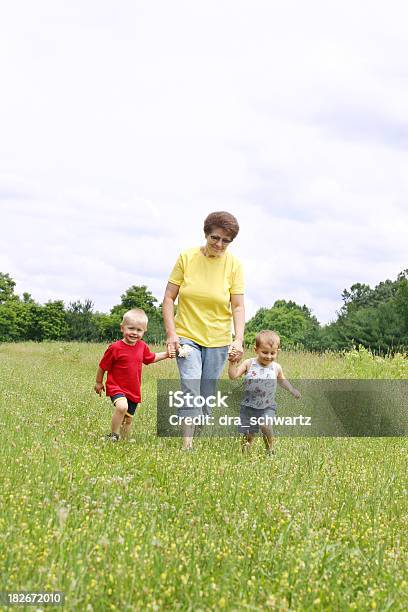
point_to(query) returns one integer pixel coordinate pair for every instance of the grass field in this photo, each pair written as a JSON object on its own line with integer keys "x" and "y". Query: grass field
{"x": 139, "y": 525}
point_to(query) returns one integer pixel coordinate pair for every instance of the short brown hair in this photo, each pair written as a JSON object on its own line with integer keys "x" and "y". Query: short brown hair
{"x": 224, "y": 220}
{"x": 266, "y": 336}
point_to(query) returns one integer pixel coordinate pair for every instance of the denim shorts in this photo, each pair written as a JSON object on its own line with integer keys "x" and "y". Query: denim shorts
{"x": 250, "y": 418}
{"x": 199, "y": 373}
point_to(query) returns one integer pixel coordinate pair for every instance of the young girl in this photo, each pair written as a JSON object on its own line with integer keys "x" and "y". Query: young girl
{"x": 261, "y": 374}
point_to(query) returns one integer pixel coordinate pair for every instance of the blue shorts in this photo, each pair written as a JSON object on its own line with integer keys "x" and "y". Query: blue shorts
{"x": 131, "y": 405}
{"x": 253, "y": 418}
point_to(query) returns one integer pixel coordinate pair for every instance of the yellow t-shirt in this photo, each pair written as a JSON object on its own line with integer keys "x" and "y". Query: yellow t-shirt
{"x": 206, "y": 285}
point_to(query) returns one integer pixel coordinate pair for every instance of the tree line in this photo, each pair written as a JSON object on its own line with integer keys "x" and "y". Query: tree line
{"x": 22, "y": 318}
{"x": 374, "y": 318}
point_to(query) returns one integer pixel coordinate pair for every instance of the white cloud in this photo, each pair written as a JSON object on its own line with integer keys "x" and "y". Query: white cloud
{"x": 121, "y": 129}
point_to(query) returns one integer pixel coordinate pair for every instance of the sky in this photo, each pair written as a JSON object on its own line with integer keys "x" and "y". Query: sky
{"x": 123, "y": 124}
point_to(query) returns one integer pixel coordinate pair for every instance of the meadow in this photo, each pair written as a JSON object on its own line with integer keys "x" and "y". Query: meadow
{"x": 138, "y": 525}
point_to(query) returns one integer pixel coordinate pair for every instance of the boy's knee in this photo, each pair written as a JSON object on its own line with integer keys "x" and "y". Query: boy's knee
{"x": 121, "y": 405}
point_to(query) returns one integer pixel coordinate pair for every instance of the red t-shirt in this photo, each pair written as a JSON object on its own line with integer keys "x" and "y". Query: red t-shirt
{"x": 123, "y": 362}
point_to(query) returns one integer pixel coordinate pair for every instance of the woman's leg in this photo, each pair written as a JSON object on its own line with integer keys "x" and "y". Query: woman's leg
{"x": 190, "y": 369}
{"x": 213, "y": 360}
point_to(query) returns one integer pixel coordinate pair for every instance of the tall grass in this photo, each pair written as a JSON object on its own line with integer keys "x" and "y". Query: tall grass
{"x": 139, "y": 525}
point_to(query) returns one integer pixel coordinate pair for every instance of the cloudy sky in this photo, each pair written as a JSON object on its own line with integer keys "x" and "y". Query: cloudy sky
{"x": 123, "y": 124}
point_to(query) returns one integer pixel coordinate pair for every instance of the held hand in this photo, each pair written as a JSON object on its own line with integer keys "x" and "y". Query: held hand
{"x": 173, "y": 345}
{"x": 171, "y": 352}
{"x": 235, "y": 351}
{"x": 232, "y": 356}
{"x": 99, "y": 387}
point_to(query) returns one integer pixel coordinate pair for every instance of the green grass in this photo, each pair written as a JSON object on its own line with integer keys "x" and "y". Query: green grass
{"x": 139, "y": 525}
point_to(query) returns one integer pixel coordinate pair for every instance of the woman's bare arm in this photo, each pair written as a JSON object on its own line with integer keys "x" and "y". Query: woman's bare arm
{"x": 170, "y": 296}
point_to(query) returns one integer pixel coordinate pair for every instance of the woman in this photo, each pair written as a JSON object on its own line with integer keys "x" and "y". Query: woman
{"x": 208, "y": 282}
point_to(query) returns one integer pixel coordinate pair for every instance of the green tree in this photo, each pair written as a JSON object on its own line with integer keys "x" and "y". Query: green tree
{"x": 140, "y": 297}
{"x": 27, "y": 299}
{"x": 155, "y": 331}
{"x": 8, "y": 323}
{"x": 52, "y": 321}
{"x": 295, "y": 324}
{"x": 7, "y": 285}
{"x": 80, "y": 321}
{"x": 359, "y": 296}
{"x": 136, "y": 297}
{"x": 107, "y": 326}
{"x": 401, "y": 304}
{"x": 374, "y": 318}
{"x": 29, "y": 321}
{"x": 19, "y": 320}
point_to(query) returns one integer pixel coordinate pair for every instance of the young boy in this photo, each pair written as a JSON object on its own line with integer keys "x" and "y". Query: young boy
{"x": 260, "y": 375}
{"x": 123, "y": 361}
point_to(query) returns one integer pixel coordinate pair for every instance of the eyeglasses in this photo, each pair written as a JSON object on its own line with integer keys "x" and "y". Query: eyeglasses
{"x": 215, "y": 239}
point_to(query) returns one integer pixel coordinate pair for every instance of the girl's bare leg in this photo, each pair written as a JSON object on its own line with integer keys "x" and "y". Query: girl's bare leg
{"x": 267, "y": 438}
{"x": 247, "y": 441}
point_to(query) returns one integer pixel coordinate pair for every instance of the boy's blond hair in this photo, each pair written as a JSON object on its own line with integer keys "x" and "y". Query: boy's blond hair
{"x": 135, "y": 313}
{"x": 267, "y": 336}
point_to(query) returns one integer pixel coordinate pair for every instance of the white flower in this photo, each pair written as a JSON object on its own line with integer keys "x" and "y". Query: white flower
{"x": 62, "y": 514}
{"x": 103, "y": 541}
{"x": 185, "y": 350}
